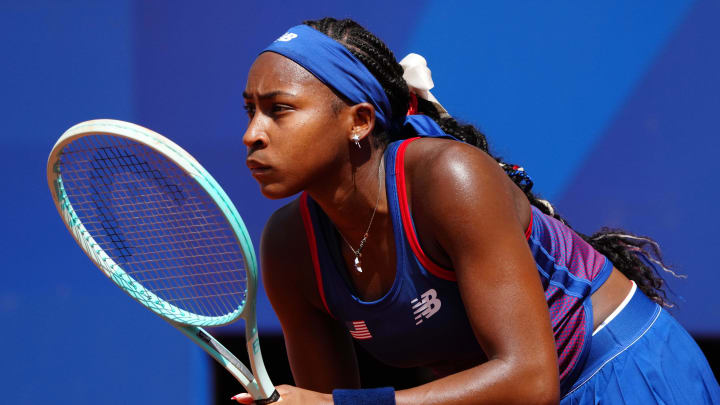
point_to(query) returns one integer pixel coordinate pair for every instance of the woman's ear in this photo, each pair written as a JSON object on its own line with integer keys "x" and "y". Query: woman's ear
{"x": 363, "y": 121}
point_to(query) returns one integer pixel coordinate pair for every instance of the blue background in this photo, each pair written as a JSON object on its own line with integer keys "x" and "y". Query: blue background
{"x": 612, "y": 108}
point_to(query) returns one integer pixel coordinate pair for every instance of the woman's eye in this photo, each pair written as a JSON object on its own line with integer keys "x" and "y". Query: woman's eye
{"x": 250, "y": 110}
{"x": 276, "y": 108}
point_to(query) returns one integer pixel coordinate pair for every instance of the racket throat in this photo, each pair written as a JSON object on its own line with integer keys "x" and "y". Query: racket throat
{"x": 214, "y": 344}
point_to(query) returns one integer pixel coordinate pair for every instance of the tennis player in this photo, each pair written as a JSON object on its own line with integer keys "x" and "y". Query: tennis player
{"x": 410, "y": 238}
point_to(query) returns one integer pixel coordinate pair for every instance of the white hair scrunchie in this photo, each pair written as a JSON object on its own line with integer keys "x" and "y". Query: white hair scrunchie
{"x": 418, "y": 77}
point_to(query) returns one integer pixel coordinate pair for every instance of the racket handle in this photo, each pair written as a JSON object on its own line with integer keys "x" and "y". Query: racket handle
{"x": 273, "y": 398}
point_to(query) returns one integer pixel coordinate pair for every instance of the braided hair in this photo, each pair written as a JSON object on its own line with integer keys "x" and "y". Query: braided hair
{"x": 637, "y": 257}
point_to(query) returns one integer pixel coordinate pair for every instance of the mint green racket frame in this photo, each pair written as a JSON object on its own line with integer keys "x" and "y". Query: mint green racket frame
{"x": 257, "y": 382}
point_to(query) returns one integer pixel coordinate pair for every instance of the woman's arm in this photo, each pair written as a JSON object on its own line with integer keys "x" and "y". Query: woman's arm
{"x": 465, "y": 206}
{"x": 319, "y": 348}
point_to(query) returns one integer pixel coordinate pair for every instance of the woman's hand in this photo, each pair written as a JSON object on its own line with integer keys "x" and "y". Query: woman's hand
{"x": 290, "y": 395}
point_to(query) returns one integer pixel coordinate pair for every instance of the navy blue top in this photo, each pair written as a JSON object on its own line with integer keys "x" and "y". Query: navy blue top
{"x": 421, "y": 320}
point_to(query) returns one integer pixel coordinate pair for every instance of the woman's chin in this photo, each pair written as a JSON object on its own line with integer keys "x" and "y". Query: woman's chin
{"x": 276, "y": 191}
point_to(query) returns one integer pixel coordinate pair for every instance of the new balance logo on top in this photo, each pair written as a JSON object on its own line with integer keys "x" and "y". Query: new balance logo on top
{"x": 359, "y": 330}
{"x": 426, "y": 306}
{"x": 287, "y": 37}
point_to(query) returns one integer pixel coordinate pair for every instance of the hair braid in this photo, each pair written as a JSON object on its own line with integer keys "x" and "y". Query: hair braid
{"x": 638, "y": 257}
{"x": 376, "y": 57}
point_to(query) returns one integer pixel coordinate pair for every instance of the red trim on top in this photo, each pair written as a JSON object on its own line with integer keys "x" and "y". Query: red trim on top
{"x": 431, "y": 266}
{"x": 528, "y": 231}
{"x": 310, "y": 232}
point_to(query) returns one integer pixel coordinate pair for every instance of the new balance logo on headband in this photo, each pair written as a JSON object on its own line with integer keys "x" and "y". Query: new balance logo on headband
{"x": 426, "y": 307}
{"x": 287, "y": 37}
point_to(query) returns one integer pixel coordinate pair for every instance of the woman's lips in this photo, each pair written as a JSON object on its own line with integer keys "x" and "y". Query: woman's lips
{"x": 259, "y": 171}
{"x": 257, "y": 168}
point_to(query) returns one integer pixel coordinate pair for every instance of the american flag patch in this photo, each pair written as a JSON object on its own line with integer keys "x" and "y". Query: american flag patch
{"x": 359, "y": 330}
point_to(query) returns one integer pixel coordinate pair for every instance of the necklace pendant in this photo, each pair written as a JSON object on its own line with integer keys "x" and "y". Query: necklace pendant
{"x": 357, "y": 264}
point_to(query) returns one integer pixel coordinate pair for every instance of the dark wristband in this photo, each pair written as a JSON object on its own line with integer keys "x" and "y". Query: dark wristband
{"x": 371, "y": 396}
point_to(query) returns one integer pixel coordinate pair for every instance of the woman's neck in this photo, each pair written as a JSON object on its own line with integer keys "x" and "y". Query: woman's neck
{"x": 357, "y": 192}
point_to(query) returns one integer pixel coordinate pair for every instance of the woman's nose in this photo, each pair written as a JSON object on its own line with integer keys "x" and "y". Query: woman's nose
{"x": 255, "y": 136}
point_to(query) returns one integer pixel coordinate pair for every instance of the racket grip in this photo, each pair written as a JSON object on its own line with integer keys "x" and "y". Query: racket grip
{"x": 272, "y": 398}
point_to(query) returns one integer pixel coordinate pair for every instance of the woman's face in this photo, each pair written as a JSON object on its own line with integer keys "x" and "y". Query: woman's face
{"x": 298, "y": 131}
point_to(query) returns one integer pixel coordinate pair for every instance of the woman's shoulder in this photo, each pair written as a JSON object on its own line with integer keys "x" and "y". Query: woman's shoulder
{"x": 286, "y": 262}
{"x": 438, "y": 164}
{"x": 284, "y": 226}
{"x": 452, "y": 182}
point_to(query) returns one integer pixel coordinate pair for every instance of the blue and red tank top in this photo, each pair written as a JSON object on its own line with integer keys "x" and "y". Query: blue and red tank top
{"x": 421, "y": 320}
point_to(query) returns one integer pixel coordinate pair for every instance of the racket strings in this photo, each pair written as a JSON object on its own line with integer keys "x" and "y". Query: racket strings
{"x": 117, "y": 188}
{"x": 124, "y": 187}
{"x": 200, "y": 292}
{"x": 156, "y": 222}
{"x": 206, "y": 284}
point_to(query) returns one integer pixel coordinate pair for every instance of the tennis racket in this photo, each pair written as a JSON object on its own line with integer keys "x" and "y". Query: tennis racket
{"x": 160, "y": 227}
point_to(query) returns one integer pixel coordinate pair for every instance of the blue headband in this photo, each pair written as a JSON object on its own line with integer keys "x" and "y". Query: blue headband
{"x": 336, "y": 67}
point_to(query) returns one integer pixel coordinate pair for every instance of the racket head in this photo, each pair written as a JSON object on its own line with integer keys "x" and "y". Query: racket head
{"x": 154, "y": 221}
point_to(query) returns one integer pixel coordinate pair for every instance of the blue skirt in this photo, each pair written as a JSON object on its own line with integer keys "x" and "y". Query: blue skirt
{"x": 644, "y": 356}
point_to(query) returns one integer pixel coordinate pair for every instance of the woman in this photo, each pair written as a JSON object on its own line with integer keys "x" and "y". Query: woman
{"x": 415, "y": 244}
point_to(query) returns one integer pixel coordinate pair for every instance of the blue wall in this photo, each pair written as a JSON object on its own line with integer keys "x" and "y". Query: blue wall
{"x": 69, "y": 335}
{"x": 611, "y": 107}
